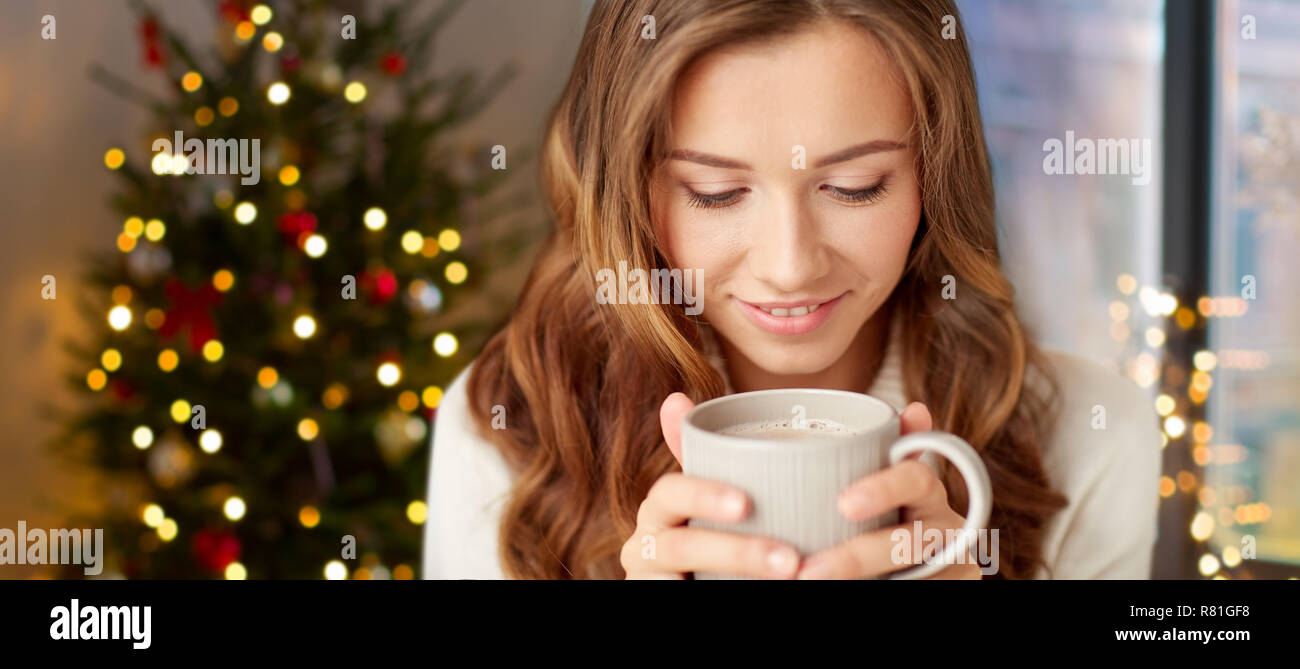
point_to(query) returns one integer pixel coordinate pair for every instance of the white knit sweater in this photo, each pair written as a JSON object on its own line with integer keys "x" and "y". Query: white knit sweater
{"x": 1110, "y": 477}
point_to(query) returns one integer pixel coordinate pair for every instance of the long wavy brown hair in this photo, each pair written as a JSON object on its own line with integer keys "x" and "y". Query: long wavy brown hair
{"x": 582, "y": 382}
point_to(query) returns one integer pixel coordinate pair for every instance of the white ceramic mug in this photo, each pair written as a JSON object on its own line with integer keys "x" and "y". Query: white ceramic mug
{"x": 794, "y": 482}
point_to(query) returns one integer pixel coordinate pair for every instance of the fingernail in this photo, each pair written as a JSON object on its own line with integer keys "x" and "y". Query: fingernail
{"x": 812, "y": 569}
{"x": 852, "y": 503}
{"x": 782, "y": 560}
{"x": 733, "y": 503}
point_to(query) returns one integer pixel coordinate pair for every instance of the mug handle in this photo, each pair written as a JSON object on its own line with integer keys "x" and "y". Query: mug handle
{"x": 979, "y": 489}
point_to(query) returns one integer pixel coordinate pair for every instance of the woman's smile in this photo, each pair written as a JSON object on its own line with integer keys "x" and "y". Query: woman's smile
{"x": 790, "y": 317}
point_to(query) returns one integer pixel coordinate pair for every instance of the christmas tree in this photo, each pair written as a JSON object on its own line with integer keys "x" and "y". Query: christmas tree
{"x": 266, "y": 347}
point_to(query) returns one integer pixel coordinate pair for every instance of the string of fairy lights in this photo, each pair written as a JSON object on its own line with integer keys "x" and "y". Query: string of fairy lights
{"x": 1180, "y": 399}
{"x": 141, "y": 236}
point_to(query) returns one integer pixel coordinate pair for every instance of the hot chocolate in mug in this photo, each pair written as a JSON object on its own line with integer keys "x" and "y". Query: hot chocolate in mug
{"x": 794, "y": 450}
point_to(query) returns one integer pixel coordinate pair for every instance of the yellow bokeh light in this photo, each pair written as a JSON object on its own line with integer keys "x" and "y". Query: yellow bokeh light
{"x": 167, "y": 529}
{"x": 203, "y": 116}
{"x": 210, "y": 441}
{"x": 289, "y": 175}
{"x": 1205, "y": 361}
{"x": 355, "y": 92}
{"x": 119, "y": 318}
{"x": 161, "y": 163}
{"x": 111, "y": 359}
{"x": 375, "y": 218}
{"x": 334, "y": 396}
{"x": 113, "y": 158}
{"x": 431, "y": 396}
{"x": 1208, "y": 564}
{"x": 236, "y": 571}
{"x": 267, "y": 376}
{"x": 1174, "y": 427}
{"x": 304, "y": 326}
{"x": 449, "y": 240}
{"x": 1126, "y": 283}
{"x": 260, "y": 14}
{"x": 412, "y": 242}
{"x": 133, "y": 226}
{"x": 152, "y": 515}
{"x": 417, "y": 512}
{"x": 1202, "y": 526}
{"x": 456, "y": 272}
{"x": 153, "y": 319}
{"x": 1201, "y": 431}
{"x": 445, "y": 344}
{"x": 223, "y": 279}
{"x": 244, "y": 31}
{"x": 308, "y": 429}
{"x": 234, "y": 508}
{"x": 388, "y": 373}
{"x": 228, "y": 106}
{"x": 191, "y": 81}
{"x": 125, "y": 243}
{"x": 245, "y": 212}
{"x": 167, "y": 360}
{"x": 408, "y": 401}
{"x": 278, "y": 93}
{"x": 121, "y": 294}
{"x": 96, "y": 379}
{"x": 335, "y": 570}
{"x": 142, "y": 437}
{"x": 272, "y": 41}
{"x": 154, "y": 230}
{"x": 213, "y": 350}
{"x": 1155, "y": 337}
{"x": 180, "y": 411}
{"x": 403, "y": 573}
{"x": 430, "y": 247}
{"x": 1167, "y": 486}
{"x": 1164, "y": 404}
{"x": 309, "y": 516}
{"x": 1231, "y": 556}
{"x": 315, "y": 246}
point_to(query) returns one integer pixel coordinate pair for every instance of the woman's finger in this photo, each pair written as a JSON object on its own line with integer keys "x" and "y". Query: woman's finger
{"x": 864, "y": 556}
{"x": 916, "y": 418}
{"x": 909, "y": 483}
{"x": 675, "y": 497}
{"x": 671, "y": 414}
{"x": 682, "y": 549}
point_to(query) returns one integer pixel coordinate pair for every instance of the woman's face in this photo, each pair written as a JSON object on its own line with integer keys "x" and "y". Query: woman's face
{"x": 793, "y": 258}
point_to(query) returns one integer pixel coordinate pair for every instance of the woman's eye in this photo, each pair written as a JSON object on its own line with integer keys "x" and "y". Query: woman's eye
{"x": 864, "y": 195}
{"x": 712, "y": 200}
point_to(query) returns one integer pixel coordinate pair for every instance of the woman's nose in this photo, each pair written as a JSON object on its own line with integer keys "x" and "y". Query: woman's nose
{"x": 786, "y": 251}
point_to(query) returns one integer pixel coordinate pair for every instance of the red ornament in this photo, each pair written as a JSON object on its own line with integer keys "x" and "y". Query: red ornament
{"x": 153, "y": 56}
{"x": 290, "y": 62}
{"x": 233, "y": 11}
{"x": 149, "y": 29}
{"x": 297, "y": 226}
{"x": 381, "y": 285}
{"x": 121, "y": 389}
{"x": 192, "y": 309}
{"x": 150, "y": 32}
{"x": 215, "y": 549}
{"x": 393, "y": 63}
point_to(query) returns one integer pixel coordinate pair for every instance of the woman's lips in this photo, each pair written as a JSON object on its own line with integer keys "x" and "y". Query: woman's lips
{"x": 809, "y": 316}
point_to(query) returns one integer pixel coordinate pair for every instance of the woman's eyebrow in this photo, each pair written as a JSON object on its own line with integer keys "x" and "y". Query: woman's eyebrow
{"x": 855, "y": 151}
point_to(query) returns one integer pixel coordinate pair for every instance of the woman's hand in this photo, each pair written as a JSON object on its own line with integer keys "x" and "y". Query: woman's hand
{"x": 909, "y": 484}
{"x": 664, "y": 547}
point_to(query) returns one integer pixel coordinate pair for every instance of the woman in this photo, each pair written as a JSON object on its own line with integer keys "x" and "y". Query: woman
{"x": 820, "y": 167}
